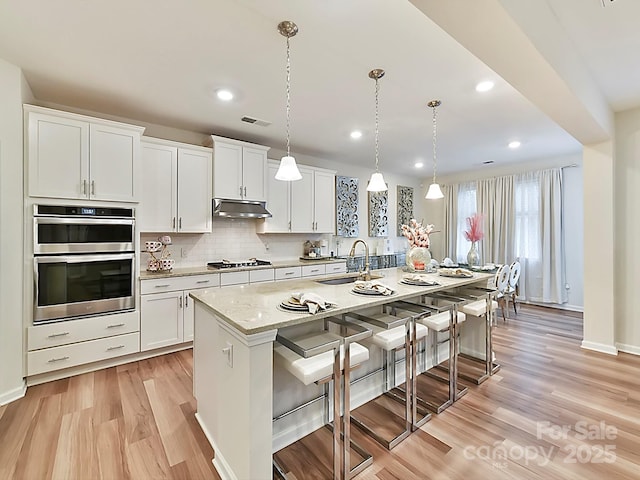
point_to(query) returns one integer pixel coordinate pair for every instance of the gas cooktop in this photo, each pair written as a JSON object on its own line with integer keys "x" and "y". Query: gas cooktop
{"x": 251, "y": 262}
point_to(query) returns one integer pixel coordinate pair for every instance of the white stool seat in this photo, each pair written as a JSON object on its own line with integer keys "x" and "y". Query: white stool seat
{"x": 312, "y": 369}
{"x": 478, "y": 308}
{"x": 440, "y": 321}
{"x": 394, "y": 337}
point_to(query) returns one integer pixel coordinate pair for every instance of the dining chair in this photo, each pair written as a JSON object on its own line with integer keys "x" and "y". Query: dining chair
{"x": 512, "y": 290}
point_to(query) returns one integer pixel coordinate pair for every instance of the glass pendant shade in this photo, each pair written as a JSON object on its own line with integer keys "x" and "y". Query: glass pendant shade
{"x": 288, "y": 170}
{"x": 434, "y": 192}
{"x": 376, "y": 183}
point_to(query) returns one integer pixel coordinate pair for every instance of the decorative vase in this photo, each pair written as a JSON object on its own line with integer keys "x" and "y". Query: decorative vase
{"x": 418, "y": 258}
{"x": 473, "y": 257}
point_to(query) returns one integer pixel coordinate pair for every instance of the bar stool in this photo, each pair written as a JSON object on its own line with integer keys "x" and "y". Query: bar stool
{"x": 319, "y": 357}
{"x": 392, "y": 333}
{"x": 444, "y": 317}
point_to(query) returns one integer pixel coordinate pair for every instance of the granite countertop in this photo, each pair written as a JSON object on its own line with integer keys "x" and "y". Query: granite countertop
{"x": 187, "y": 271}
{"x": 254, "y": 308}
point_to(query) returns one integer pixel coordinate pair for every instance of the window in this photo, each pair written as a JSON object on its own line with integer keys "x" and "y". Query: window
{"x": 467, "y": 206}
{"x": 527, "y": 218}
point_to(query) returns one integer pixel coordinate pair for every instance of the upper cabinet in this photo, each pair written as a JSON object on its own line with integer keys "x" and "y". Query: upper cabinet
{"x": 79, "y": 157}
{"x": 302, "y": 206}
{"x": 239, "y": 170}
{"x": 176, "y": 187}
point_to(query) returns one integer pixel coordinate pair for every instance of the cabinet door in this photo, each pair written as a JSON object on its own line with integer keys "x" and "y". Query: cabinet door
{"x": 254, "y": 166}
{"x": 114, "y": 163}
{"x": 227, "y": 171}
{"x": 278, "y": 202}
{"x": 194, "y": 191}
{"x": 161, "y": 320}
{"x": 159, "y": 195}
{"x": 189, "y": 314}
{"x": 58, "y": 157}
{"x": 324, "y": 201}
{"x": 302, "y": 202}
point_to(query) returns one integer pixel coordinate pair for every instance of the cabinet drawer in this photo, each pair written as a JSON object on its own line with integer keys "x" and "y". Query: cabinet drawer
{"x": 288, "y": 272}
{"x": 234, "y": 278}
{"x": 312, "y": 270}
{"x": 73, "y": 331}
{"x": 66, "y": 356}
{"x": 338, "y": 267}
{"x": 172, "y": 284}
{"x": 265, "y": 275}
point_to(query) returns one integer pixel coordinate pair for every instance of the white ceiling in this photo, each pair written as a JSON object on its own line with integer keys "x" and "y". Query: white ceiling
{"x": 160, "y": 61}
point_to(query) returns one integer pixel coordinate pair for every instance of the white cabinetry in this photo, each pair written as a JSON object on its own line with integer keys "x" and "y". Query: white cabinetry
{"x": 79, "y": 157}
{"x": 166, "y": 310}
{"x": 303, "y": 206}
{"x": 176, "y": 187}
{"x": 239, "y": 170}
{"x": 75, "y": 342}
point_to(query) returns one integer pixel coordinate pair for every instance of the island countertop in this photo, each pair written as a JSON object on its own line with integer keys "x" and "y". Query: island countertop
{"x": 253, "y": 308}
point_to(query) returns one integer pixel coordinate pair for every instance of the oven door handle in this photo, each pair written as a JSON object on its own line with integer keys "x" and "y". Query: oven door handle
{"x": 81, "y": 258}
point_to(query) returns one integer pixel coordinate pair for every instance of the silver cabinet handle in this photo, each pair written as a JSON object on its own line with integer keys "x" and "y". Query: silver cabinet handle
{"x": 240, "y": 190}
{"x": 61, "y": 334}
{"x": 245, "y": 191}
{"x": 60, "y": 359}
{"x": 288, "y": 273}
{"x": 315, "y": 270}
{"x": 84, "y": 187}
{"x": 180, "y": 301}
{"x": 180, "y": 224}
{"x": 289, "y": 225}
{"x": 93, "y": 187}
{"x": 203, "y": 281}
{"x": 163, "y": 285}
{"x": 115, "y": 325}
{"x": 173, "y": 222}
{"x": 186, "y": 301}
{"x": 115, "y": 348}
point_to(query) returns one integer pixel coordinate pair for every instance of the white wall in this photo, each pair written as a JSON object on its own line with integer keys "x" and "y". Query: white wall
{"x": 627, "y": 231}
{"x": 13, "y": 91}
{"x": 573, "y": 214}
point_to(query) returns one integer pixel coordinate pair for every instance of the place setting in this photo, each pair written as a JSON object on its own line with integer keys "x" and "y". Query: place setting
{"x": 455, "y": 272}
{"x": 371, "y": 287}
{"x": 306, "y": 302}
{"x": 418, "y": 280}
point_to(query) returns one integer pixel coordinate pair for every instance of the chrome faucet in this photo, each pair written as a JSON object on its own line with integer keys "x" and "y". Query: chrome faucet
{"x": 366, "y": 274}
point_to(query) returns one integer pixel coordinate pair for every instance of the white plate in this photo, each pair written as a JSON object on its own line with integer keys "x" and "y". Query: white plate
{"x": 361, "y": 291}
{"x": 428, "y": 283}
{"x": 455, "y": 275}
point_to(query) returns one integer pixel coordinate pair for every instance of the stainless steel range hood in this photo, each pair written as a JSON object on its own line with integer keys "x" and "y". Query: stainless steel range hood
{"x": 239, "y": 208}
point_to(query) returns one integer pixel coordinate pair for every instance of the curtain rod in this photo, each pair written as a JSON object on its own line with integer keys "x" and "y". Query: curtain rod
{"x": 571, "y": 165}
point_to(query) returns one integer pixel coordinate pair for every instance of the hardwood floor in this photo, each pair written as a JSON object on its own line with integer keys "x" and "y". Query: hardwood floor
{"x": 554, "y": 411}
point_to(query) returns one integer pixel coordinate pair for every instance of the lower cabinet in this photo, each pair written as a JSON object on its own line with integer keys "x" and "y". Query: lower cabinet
{"x": 76, "y": 342}
{"x": 166, "y": 317}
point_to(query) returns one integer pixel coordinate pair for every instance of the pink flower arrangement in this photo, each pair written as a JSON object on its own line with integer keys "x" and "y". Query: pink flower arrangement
{"x": 417, "y": 235}
{"x": 474, "y": 233}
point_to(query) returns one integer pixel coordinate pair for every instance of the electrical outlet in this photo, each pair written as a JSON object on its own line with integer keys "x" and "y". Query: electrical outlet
{"x": 567, "y": 286}
{"x": 228, "y": 352}
{"x": 183, "y": 252}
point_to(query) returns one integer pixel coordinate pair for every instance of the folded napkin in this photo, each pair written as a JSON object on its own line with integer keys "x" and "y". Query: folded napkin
{"x": 373, "y": 285}
{"x": 447, "y": 262}
{"x": 312, "y": 301}
{"x": 416, "y": 277}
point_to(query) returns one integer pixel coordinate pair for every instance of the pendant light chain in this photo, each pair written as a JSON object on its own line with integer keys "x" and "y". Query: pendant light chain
{"x": 377, "y": 121}
{"x": 434, "y": 142}
{"x": 288, "y": 96}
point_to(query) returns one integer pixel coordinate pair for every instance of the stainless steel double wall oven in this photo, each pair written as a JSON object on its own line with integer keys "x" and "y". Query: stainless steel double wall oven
{"x": 84, "y": 261}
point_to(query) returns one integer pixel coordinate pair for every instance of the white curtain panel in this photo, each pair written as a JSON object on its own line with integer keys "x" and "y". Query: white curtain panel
{"x": 450, "y": 229}
{"x": 539, "y": 242}
{"x": 466, "y": 206}
{"x": 496, "y": 197}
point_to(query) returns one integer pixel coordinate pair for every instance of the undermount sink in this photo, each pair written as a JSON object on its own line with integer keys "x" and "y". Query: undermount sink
{"x": 342, "y": 280}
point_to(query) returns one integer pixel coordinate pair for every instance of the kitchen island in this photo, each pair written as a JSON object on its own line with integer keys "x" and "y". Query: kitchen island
{"x": 233, "y": 359}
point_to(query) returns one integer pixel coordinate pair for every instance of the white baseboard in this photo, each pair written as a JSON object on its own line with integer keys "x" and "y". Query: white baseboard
{"x": 600, "y": 347}
{"x": 12, "y": 395}
{"x": 219, "y": 463}
{"x": 633, "y": 349}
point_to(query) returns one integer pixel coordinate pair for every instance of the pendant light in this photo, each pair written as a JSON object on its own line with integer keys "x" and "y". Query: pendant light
{"x": 434, "y": 191}
{"x": 288, "y": 170}
{"x": 376, "y": 183}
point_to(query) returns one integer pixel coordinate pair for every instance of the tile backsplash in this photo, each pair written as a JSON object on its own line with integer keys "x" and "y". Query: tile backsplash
{"x": 236, "y": 239}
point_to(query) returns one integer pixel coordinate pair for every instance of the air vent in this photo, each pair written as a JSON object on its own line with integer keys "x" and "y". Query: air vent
{"x": 255, "y": 121}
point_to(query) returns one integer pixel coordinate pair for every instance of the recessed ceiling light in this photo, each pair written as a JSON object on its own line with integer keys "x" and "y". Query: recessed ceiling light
{"x": 418, "y": 164}
{"x": 356, "y": 134}
{"x": 224, "y": 95}
{"x": 484, "y": 86}
{"x": 514, "y": 144}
